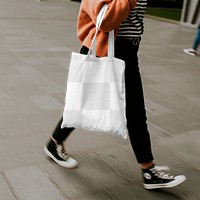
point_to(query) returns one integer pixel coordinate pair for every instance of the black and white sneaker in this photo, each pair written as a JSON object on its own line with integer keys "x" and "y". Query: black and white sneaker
{"x": 57, "y": 152}
{"x": 156, "y": 177}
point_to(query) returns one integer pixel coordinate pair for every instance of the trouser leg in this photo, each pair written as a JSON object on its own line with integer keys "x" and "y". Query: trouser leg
{"x": 135, "y": 108}
{"x": 60, "y": 134}
{"x": 197, "y": 39}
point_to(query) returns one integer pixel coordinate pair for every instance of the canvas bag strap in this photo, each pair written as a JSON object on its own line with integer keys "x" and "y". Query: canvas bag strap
{"x": 100, "y": 17}
{"x": 111, "y": 39}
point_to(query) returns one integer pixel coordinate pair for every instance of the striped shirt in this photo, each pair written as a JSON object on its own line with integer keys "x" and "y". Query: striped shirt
{"x": 133, "y": 26}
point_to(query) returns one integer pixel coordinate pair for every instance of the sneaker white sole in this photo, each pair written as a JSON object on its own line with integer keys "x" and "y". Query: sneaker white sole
{"x": 178, "y": 180}
{"x": 189, "y": 53}
{"x": 69, "y": 163}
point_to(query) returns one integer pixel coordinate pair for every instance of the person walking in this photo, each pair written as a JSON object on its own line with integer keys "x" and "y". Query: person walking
{"x": 196, "y": 42}
{"x": 126, "y": 18}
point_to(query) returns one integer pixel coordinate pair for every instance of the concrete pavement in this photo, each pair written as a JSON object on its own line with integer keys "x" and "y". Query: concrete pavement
{"x": 36, "y": 39}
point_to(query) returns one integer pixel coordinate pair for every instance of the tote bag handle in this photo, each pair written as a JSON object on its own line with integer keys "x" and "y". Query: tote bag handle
{"x": 92, "y": 50}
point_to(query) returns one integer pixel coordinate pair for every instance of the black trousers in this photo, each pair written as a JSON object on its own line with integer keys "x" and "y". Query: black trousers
{"x": 135, "y": 108}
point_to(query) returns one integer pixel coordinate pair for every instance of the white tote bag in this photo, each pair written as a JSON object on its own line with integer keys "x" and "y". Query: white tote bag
{"x": 95, "y": 97}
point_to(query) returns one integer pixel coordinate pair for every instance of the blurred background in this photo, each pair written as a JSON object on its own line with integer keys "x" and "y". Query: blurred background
{"x": 170, "y": 9}
{"x": 185, "y": 11}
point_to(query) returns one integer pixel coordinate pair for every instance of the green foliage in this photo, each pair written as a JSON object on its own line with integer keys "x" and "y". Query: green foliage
{"x": 168, "y": 13}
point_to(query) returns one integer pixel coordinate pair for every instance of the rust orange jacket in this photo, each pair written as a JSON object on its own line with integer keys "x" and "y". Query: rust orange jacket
{"x": 117, "y": 12}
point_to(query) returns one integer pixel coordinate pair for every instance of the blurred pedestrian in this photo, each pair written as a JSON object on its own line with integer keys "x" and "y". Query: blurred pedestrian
{"x": 193, "y": 50}
{"x": 127, "y": 20}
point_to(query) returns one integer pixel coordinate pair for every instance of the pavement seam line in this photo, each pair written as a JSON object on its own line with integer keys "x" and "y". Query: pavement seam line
{"x": 118, "y": 173}
{"x": 112, "y": 196}
{"x": 164, "y": 131}
{"x": 10, "y": 186}
{"x": 55, "y": 184}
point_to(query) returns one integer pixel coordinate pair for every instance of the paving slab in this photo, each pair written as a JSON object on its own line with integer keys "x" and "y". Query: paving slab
{"x": 31, "y": 183}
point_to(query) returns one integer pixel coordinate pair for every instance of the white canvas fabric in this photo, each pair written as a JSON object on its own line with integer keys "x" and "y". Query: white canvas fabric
{"x": 95, "y": 97}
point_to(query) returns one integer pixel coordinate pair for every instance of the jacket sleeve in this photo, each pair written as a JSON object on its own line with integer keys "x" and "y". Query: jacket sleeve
{"x": 116, "y": 13}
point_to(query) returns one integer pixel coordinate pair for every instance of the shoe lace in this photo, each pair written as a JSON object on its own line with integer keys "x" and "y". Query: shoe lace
{"x": 159, "y": 171}
{"x": 61, "y": 151}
